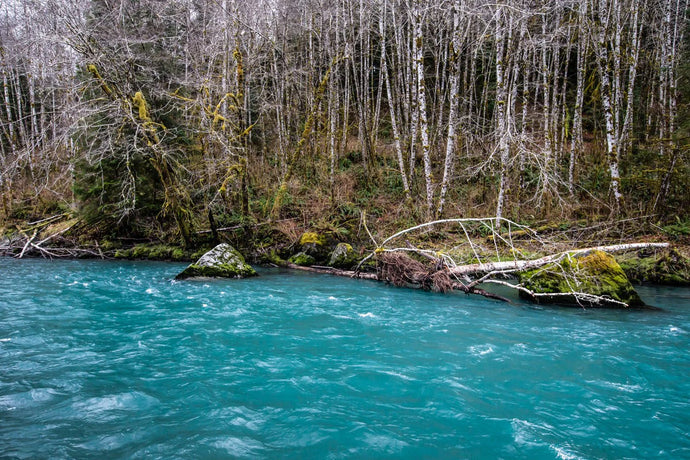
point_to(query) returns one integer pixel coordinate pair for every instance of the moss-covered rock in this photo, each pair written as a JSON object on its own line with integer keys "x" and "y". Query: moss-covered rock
{"x": 223, "y": 261}
{"x": 594, "y": 273}
{"x": 668, "y": 267}
{"x": 316, "y": 245}
{"x": 273, "y": 258}
{"x": 312, "y": 238}
{"x": 302, "y": 259}
{"x": 343, "y": 256}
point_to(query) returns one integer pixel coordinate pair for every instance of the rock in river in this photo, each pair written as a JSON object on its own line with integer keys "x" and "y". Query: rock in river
{"x": 223, "y": 261}
{"x": 591, "y": 278}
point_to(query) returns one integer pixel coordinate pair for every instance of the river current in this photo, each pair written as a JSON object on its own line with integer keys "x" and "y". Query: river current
{"x": 104, "y": 359}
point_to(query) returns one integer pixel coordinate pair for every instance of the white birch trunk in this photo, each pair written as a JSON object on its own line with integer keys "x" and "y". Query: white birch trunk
{"x": 414, "y": 101}
{"x": 391, "y": 106}
{"x": 452, "y": 114}
{"x": 606, "y": 91}
{"x": 501, "y": 102}
{"x": 423, "y": 122}
{"x": 576, "y": 140}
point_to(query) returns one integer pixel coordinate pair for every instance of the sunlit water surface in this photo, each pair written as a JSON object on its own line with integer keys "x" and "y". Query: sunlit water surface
{"x": 115, "y": 360}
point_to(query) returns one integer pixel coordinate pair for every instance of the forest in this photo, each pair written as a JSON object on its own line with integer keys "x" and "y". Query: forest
{"x": 168, "y": 120}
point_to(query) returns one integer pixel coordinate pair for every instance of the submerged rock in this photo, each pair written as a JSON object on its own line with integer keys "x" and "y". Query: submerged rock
{"x": 593, "y": 273}
{"x": 223, "y": 261}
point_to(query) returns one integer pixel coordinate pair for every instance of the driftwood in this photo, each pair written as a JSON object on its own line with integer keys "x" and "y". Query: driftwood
{"x": 443, "y": 273}
{"x": 519, "y": 265}
{"x": 333, "y": 271}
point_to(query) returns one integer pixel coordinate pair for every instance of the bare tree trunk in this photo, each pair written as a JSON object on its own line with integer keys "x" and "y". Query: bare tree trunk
{"x": 8, "y": 105}
{"x": 607, "y": 91}
{"x": 453, "y": 111}
{"x": 502, "y": 131}
{"x": 394, "y": 123}
{"x": 576, "y": 139}
{"x": 423, "y": 122}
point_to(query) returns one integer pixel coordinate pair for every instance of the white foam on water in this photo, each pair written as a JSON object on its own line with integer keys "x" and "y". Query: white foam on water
{"x": 563, "y": 454}
{"x": 5, "y": 340}
{"x": 240, "y": 447}
{"x": 366, "y": 315}
{"x": 399, "y": 375}
{"x": 627, "y": 388}
{"x": 385, "y": 443}
{"x": 481, "y": 350}
{"x": 332, "y": 298}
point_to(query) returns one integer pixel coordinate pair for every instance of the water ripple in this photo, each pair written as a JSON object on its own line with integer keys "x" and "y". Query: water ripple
{"x": 116, "y": 359}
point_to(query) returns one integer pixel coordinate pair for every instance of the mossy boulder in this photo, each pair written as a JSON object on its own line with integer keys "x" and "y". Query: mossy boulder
{"x": 316, "y": 245}
{"x": 223, "y": 261}
{"x": 667, "y": 267}
{"x": 343, "y": 256}
{"x": 302, "y": 259}
{"x": 593, "y": 273}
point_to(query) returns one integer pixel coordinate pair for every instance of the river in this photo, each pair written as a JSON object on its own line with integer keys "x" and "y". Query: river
{"x": 102, "y": 359}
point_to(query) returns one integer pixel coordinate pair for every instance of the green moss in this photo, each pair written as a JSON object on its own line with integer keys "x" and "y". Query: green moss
{"x": 123, "y": 254}
{"x": 223, "y": 261}
{"x": 312, "y": 238}
{"x": 302, "y": 259}
{"x": 594, "y": 272}
{"x": 108, "y": 245}
{"x": 200, "y": 252}
{"x": 272, "y": 258}
{"x": 343, "y": 256}
{"x": 152, "y": 252}
{"x": 668, "y": 267}
{"x": 219, "y": 271}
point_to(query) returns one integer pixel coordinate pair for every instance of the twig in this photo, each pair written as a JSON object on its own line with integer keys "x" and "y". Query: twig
{"x": 47, "y": 219}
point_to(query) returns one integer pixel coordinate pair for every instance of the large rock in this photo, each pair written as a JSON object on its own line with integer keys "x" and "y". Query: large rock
{"x": 594, "y": 273}
{"x": 223, "y": 261}
{"x": 315, "y": 245}
{"x": 343, "y": 256}
{"x": 667, "y": 267}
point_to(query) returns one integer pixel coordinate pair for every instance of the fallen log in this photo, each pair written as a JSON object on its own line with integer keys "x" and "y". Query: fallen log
{"x": 333, "y": 271}
{"x": 445, "y": 274}
{"x": 519, "y": 265}
{"x": 377, "y": 277}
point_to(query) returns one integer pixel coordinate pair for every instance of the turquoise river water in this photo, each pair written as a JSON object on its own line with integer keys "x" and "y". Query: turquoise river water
{"x": 114, "y": 360}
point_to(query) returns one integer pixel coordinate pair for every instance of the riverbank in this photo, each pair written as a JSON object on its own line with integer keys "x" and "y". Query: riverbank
{"x": 449, "y": 243}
